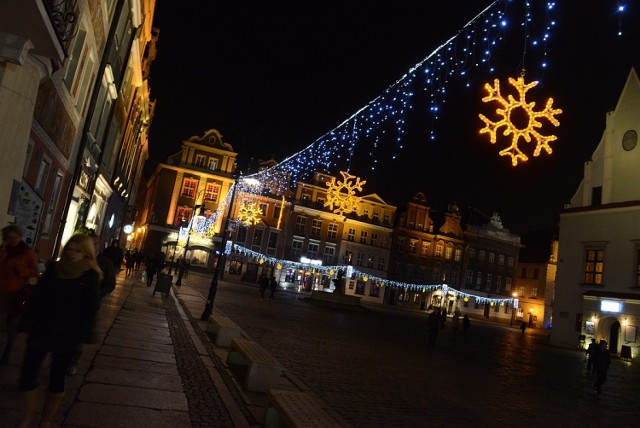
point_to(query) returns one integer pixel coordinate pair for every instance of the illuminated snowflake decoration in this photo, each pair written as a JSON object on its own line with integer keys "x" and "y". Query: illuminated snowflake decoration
{"x": 510, "y": 105}
{"x": 249, "y": 213}
{"x": 341, "y": 196}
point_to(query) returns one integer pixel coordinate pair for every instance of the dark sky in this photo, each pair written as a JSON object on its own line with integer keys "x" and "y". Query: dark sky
{"x": 273, "y": 77}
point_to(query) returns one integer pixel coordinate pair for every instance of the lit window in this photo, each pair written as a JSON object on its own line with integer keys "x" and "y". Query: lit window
{"x": 425, "y": 247}
{"x": 448, "y": 252}
{"x": 439, "y": 249}
{"x": 213, "y": 164}
{"x": 412, "y": 245}
{"x": 189, "y": 187}
{"x": 457, "y": 255}
{"x": 594, "y": 265}
{"x": 183, "y": 215}
{"x": 212, "y": 192}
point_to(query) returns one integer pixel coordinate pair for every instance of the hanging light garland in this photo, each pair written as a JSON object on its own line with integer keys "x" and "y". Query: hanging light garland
{"x": 366, "y": 277}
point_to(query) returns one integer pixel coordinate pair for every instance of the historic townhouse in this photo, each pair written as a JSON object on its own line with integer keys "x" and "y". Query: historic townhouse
{"x": 190, "y": 185}
{"x": 489, "y": 265}
{"x": 58, "y": 81}
{"x": 423, "y": 257}
{"x": 598, "y": 279}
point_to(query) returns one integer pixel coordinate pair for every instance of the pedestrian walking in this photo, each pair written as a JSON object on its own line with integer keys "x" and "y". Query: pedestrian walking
{"x": 466, "y": 325}
{"x": 60, "y": 315}
{"x": 264, "y": 285}
{"x": 273, "y": 285}
{"x": 523, "y": 326}
{"x": 138, "y": 256}
{"x": 455, "y": 324}
{"x": 130, "y": 262}
{"x": 151, "y": 269}
{"x": 433, "y": 324}
{"x": 115, "y": 254}
{"x": 601, "y": 362}
{"x": 591, "y": 351}
{"x": 18, "y": 264}
{"x": 443, "y": 317}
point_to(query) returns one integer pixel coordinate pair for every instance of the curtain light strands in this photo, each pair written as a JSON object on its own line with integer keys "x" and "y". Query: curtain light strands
{"x": 332, "y": 270}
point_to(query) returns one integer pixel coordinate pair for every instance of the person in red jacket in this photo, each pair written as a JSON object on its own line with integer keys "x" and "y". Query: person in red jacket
{"x": 18, "y": 263}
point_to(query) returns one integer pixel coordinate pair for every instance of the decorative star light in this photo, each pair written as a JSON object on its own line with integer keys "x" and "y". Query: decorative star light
{"x": 249, "y": 213}
{"x": 510, "y": 105}
{"x": 341, "y": 196}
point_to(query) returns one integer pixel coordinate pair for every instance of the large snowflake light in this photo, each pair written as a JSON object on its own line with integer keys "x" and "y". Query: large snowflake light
{"x": 341, "y": 196}
{"x": 511, "y": 105}
{"x": 249, "y": 213}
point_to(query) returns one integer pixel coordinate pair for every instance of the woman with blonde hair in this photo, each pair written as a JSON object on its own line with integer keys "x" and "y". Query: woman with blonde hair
{"x": 18, "y": 263}
{"x": 59, "y": 317}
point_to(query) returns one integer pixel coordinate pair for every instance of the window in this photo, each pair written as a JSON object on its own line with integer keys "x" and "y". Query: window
{"x": 189, "y": 187}
{"x": 638, "y": 269}
{"x": 448, "y": 252}
{"x": 213, "y": 164}
{"x": 400, "y": 243}
{"x": 348, "y": 257}
{"x": 316, "y": 227}
{"x": 481, "y": 255}
{"x": 296, "y": 248}
{"x": 52, "y": 204}
{"x": 468, "y": 280}
{"x": 301, "y": 223}
{"x": 489, "y": 278}
{"x": 257, "y": 237}
{"x": 492, "y": 257}
{"x": 352, "y": 235}
{"x": 411, "y": 270}
{"x": 536, "y": 273}
{"x": 276, "y": 211}
{"x": 425, "y": 248}
{"x": 374, "y": 290}
{"x": 423, "y": 272}
{"x": 479, "y": 280}
{"x": 332, "y": 231}
{"x": 273, "y": 240}
{"x": 329, "y": 254}
{"x": 183, "y": 215}
{"x": 365, "y": 213}
{"x": 385, "y": 219}
{"x": 457, "y": 255}
{"x": 363, "y": 236}
{"x": 370, "y": 262}
{"x": 454, "y": 277}
{"x": 534, "y": 292}
{"x": 439, "y": 249}
{"x": 594, "y": 265}
{"x": 510, "y": 261}
{"x": 264, "y": 208}
{"x": 381, "y": 264}
{"x": 523, "y": 272}
{"x": 507, "y": 283}
{"x": 374, "y": 238}
{"x": 472, "y": 253}
{"x": 242, "y": 234}
{"x": 376, "y": 217}
{"x": 501, "y": 259}
{"x": 212, "y": 192}
{"x": 498, "y": 283}
{"x": 43, "y": 175}
{"x": 360, "y": 261}
{"x": 312, "y": 250}
{"x": 413, "y": 243}
{"x": 200, "y": 160}
{"x": 522, "y": 291}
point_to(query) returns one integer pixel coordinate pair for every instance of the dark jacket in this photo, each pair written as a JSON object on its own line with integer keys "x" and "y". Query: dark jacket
{"x": 108, "y": 283}
{"x": 61, "y": 312}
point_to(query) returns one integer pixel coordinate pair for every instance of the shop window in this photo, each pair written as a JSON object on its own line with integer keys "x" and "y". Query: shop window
{"x": 374, "y": 289}
{"x": 360, "y": 287}
{"x": 235, "y": 267}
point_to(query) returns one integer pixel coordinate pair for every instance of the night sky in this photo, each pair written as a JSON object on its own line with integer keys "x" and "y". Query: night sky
{"x": 273, "y": 77}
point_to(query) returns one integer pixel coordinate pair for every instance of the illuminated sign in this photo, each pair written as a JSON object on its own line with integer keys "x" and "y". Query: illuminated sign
{"x": 310, "y": 261}
{"x": 128, "y": 228}
{"x": 610, "y": 306}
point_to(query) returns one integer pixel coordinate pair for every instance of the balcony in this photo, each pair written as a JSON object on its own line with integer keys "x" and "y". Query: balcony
{"x": 49, "y": 24}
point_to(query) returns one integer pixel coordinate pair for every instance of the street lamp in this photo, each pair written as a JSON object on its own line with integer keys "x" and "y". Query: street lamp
{"x": 183, "y": 263}
{"x": 213, "y": 287}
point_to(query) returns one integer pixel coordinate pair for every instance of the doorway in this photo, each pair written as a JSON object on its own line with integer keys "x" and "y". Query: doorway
{"x": 614, "y": 336}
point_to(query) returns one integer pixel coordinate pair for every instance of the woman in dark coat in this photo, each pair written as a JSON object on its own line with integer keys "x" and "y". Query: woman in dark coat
{"x": 60, "y": 316}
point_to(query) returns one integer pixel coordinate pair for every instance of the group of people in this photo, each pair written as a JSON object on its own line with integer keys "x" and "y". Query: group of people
{"x": 270, "y": 284}
{"x": 56, "y": 315}
{"x": 437, "y": 321}
{"x": 598, "y": 361}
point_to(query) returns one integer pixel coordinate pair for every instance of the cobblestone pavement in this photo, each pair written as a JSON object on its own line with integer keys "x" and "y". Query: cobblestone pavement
{"x": 375, "y": 368}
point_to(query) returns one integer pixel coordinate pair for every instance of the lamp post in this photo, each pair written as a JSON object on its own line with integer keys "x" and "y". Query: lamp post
{"x": 182, "y": 263}
{"x": 513, "y": 308}
{"x": 213, "y": 287}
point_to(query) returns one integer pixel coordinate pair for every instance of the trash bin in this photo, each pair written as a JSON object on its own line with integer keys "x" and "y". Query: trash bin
{"x": 163, "y": 284}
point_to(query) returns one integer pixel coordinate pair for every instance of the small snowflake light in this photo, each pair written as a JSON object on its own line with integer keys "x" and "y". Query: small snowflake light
{"x": 341, "y": 196}
{"x": 511, "y": 105}
{"x": 249, "y": 213}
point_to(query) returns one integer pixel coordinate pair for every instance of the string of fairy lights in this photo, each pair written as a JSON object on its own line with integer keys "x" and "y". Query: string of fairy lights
{"x": 332, "y": 271}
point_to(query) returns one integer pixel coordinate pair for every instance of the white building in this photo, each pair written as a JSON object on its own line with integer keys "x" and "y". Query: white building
{"x": 597, "y": 286}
